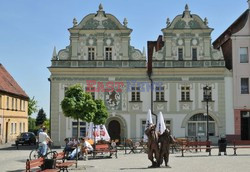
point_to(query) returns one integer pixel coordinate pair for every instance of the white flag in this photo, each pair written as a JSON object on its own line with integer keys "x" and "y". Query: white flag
{"x": 90, "y": 131}
{"x": 160, "y": 126}
{"x": 104, "y": 135}
{"x": 148, "y": 123}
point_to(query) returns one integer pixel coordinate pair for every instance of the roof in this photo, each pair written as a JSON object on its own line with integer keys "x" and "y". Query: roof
{"x": 9, "y": 85}
{"x": 233, "y": 28}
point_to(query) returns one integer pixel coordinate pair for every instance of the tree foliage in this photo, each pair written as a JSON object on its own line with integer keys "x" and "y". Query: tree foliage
{"x": 32, "y": 106}
{"x": 78, "y": 104}
{"x": 32, "y": 124}
{"x": 101, "y": 114}
{"x": 41, "y": 117}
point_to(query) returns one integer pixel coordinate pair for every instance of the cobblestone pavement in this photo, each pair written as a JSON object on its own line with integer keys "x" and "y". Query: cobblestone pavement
{"x": 14, "y": 160}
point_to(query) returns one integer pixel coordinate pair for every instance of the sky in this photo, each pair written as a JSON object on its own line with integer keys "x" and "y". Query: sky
{"x": 29, "y": 30}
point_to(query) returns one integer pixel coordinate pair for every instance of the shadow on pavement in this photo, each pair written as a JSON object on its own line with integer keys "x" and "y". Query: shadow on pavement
{"x": 24, "y": 147}
{"x": 16, "y": 170}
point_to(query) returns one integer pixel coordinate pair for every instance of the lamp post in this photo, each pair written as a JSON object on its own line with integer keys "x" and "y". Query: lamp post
{"x": 206, "y": 89}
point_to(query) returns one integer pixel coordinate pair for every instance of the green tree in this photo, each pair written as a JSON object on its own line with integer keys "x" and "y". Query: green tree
{"x": 41, "y": 117}
{"x": 32, "y": 124}
{"x": 101, "y": 114}
{"x": 78, "y": 105}
{"x": 32, "y": 106}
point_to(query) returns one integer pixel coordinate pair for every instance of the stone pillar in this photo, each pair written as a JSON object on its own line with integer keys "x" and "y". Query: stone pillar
{"x": 100, "y": 48}
{"x": 74, "y": 44}
{"x": 187, "y": 53}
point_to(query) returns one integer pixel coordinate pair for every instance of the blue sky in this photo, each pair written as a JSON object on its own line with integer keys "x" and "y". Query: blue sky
{"x": 31, "y": 28}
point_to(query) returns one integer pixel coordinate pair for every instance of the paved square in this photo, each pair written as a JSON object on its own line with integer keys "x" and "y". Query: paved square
{"x": 14, "y": 160}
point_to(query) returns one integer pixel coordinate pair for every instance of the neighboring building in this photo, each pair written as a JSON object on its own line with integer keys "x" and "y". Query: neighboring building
{"x": 235, "y": 44}
{"x": 185, "y": 62}
{"x": 13, "y": 108}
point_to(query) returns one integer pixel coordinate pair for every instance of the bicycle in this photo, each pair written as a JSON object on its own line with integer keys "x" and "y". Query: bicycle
{"x": 35, "y": 153}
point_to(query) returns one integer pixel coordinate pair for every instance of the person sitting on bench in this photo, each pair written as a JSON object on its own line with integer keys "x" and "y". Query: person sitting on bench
{"x": 85, "y": 148}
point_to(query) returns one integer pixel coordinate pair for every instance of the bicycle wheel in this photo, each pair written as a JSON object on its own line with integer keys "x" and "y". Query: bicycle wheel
{"x": 34, "y": 154}
{"x": 51, "y": 154}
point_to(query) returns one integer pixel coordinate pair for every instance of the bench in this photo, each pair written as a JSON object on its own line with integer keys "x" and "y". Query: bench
{"x": 195, "y": 145}
{"x": 104, "y": 148}
{"x": 238, "y": 144}
{"x": 37, "y": 163}
{"x": 63, "y": 165}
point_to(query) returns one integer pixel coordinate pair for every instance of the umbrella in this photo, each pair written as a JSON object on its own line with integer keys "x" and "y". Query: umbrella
{"x": 160, "y": 126}
{"x": 104, "y": 135}
{"x": 148, "y": 122}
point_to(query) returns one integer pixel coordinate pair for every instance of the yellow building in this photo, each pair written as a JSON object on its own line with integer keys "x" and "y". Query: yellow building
{"x": 13, "y": 108}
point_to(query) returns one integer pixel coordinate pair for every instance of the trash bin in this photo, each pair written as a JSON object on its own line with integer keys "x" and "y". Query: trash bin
{"x": 222, "y": 143}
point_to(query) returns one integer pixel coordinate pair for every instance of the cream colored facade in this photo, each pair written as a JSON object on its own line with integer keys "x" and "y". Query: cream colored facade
{"x": 13, "y": 117}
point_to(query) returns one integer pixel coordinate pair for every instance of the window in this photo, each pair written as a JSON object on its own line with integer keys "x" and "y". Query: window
{"x": 197, "y": 126}
{"x": 82, "y": 129}
{"x": 12, "y": 128}
{"x": 185, "y": 93}
{"x": 108, "y": 53}
{"x": 20, "y": 108}
{"x": 8, "y": 102}
{"x": 0, "y": 101}
{"x": 23, "y": 105}
{"x": 194, "y": 54}
{"x": 12, "y": 103}
{"x": 15, "y": 103}
{"x": 143, "y": 127}
{"x": 244, "y": 85}
{"x": 209, "y": 97}
{"x": 91, "y": 53}
{"x": 180, "y": 53}
{"x": 15, "y": 128}
{"x": 135, "y": 94}
{"x": 20, "y": 127}
{"x": 159, "y": 91}
{"x": 243, "y": 55}
{"x": 24, "y": 127}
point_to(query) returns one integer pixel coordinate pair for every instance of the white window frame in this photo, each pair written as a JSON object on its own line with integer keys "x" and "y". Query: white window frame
{"x": 135, "y": 94}
{"x": 185, "y": 91}
{"x": 178, "y": 54}
{"x": 91, "y": 53}
{"x": 244, "y": 58}
{"x": 160, "y": 93}
{"x": 108, "y": 52}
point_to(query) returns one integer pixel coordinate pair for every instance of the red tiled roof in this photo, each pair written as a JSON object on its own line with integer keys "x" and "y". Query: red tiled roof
{"x": 9, "y": 85}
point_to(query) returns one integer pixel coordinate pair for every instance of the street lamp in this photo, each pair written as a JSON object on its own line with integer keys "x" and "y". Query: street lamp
{"x": 206, "y": 94}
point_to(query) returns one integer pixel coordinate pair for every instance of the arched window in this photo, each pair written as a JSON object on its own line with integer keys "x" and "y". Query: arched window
{"x": 197, "y": 126}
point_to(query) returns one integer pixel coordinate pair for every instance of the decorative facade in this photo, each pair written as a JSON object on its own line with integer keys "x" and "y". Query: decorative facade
{"x": 235, "y": 43}
{"x": 183, "y": 63}
{"x": 13, "y": 108}
{"x": 184, "y": 60}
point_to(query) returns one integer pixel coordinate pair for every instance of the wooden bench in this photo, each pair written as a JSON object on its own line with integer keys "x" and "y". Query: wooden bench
{"x": 37, "y": 163}
{"x": 239, "y": 144}
{"x": 195, "y": 145}
{"x": 63, "y": 165}
{"x": 104, "y": 148}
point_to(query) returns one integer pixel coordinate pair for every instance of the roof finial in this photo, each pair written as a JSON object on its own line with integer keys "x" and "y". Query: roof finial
{"x": 100, "y": 7}
{"x": 205, "y": 21}
{"x": 168, "y": 22}
{"x": 186, "y": 7}
{"x": 125, "y": 22}
{"x": 54, "y": 55}
{"x": 74, "y": 22}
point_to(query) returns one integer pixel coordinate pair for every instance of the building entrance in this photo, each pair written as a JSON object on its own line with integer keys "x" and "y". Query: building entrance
{"x": 114, "y": 129}
{"x": 245, "y": 125}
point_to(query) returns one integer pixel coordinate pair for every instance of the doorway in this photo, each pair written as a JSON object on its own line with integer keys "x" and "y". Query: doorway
{"x": 245, "y": 125}
{"x": 6, "y": 132}
{"x": 114, "y": 129}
